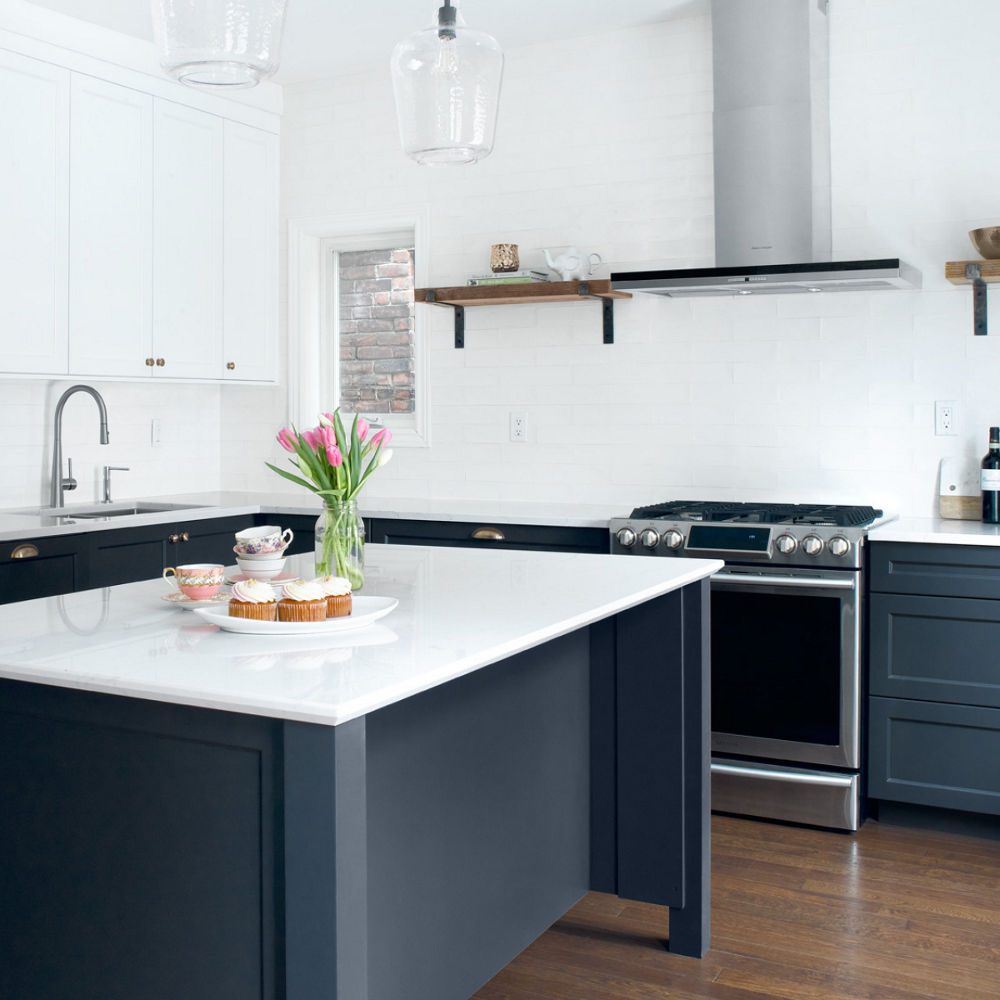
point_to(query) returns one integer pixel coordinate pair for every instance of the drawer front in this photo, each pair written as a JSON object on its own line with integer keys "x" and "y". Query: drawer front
{"x": 935, "y": 649}
{"x": 935, "y": 570}
{"x": 490, "y": 535}
{"x": 934, "y": 755}
{"x": 40, "y": 567}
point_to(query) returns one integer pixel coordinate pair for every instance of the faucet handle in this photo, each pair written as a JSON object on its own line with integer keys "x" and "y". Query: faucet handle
{"x": 69, "y": 483}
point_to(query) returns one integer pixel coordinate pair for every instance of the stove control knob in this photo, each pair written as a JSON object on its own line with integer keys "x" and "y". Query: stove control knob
{"x": 839, "y": 546}
{"x": 786, "y": 544}
{"x": 813, "y": 545}
{"x": 626, "y": 537}
{"x": 673, "y": 539}
{"x": 649, "y": 538}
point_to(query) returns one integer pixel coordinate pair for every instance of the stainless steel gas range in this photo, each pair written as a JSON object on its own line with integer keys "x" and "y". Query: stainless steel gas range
{"x": 786, "y": 648}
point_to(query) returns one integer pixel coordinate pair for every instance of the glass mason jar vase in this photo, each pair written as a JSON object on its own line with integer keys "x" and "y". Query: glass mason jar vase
{"x": 340, "y": 542}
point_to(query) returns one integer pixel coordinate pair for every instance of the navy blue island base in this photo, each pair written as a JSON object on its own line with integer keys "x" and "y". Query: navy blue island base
{"x": 154, "y": 851}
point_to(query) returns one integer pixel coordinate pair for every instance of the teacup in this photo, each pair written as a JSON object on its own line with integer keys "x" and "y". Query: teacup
{"x": 263, "y": 538}
{"x": 197, "y": 581}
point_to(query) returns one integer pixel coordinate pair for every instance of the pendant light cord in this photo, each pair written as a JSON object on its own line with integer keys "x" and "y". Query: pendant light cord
{"x": 446, "y": 20}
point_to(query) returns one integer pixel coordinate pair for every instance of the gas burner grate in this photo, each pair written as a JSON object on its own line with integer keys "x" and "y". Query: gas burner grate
{"x": 834, "y": 515}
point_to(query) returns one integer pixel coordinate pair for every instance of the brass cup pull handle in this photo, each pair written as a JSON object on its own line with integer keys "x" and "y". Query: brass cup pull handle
{"x": 488, "y": 534}
{"x": 24, "y": 552}
{"x": 180, "y": 536}
{"x": 150, "y": 362}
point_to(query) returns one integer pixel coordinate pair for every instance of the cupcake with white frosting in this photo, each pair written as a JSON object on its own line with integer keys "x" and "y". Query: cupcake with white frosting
{"x": 253, "y": 599}
{"x": 338, "y": 595}
{"x": 302, "y": 601}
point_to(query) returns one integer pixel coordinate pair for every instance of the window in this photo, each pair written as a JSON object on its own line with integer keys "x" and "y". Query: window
{"x": 353, "y": 332}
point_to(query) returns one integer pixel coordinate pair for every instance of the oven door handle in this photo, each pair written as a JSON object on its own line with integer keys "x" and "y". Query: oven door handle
{"x": 724, "y": 579}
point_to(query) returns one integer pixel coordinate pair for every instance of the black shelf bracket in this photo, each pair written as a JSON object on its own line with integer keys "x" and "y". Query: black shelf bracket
{"x": 459, "y": 316}
{"x": 975, "y": 274}
{"x": 607, "y": 311}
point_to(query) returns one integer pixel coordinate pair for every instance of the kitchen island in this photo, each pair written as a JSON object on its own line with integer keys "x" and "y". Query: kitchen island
{"x": 386, "y": 814}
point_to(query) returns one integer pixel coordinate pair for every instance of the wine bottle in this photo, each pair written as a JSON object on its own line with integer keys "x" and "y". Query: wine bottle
{"x": 989, "y": 479}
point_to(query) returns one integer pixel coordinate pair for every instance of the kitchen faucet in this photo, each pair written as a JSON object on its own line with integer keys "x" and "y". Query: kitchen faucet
{"x": 58, "y": 483}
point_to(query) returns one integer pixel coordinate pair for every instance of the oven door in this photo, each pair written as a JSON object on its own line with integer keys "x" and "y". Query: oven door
{"x": 786, "y": 653}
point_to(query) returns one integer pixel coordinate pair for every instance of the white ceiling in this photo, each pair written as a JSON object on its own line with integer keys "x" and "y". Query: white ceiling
{"x": 325, "y": 38}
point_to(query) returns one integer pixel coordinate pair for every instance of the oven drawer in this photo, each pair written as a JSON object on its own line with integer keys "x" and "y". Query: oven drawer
{"x": 934, "y": 755}
{"x": 935, "y": 649}
{"x": 935, "y": 570}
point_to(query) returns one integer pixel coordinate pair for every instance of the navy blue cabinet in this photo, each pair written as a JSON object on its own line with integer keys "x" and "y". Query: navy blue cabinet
{"x": 934, "y": 706}
{"x": 549, "y": 538}
{"x": 40, "y": 567}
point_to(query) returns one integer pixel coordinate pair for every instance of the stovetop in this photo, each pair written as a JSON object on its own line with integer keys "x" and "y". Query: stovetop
{"x": 806, "y": 515}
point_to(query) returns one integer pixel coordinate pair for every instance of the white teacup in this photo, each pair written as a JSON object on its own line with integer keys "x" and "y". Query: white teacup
{"x": 264, "y": 538}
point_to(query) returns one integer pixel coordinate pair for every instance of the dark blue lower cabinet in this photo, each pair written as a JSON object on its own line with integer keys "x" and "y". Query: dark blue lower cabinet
{"x": 934, "y": 709}
{"x": 154, "y": 852}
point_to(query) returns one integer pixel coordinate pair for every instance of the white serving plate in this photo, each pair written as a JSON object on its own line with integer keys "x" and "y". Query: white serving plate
{"x": 365, "y": 611}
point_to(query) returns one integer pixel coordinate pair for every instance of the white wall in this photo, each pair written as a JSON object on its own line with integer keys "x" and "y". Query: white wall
{"x": 606, "y": 142}
{"x": 187, "y": 458}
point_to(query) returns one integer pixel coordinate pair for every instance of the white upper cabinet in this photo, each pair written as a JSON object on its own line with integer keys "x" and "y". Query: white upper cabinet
{"x": 34, "y": 183}
{"x": 111, "y": 229}
{"x": 251, "y": 253}
{"x": 187, "y": 242}
{"x": 138, "y": 224}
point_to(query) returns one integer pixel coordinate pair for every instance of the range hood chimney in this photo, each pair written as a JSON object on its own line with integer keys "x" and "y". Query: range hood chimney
{"x": 772, "y": 162}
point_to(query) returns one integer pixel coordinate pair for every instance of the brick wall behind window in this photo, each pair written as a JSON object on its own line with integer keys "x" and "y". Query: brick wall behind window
{"x": 376, "y": 331}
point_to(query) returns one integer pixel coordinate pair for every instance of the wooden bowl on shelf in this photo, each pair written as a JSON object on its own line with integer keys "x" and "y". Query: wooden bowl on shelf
{"x": 986, "y": 241}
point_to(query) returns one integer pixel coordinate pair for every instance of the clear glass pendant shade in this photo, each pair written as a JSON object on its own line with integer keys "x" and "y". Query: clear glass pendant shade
{"x": 219, "y": 43}
{"x": 446, "y": 79}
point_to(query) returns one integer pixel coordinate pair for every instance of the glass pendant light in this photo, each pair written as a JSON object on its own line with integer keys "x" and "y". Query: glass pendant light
{"x": 447, "y": 84}
{"x": 219, "y": 43}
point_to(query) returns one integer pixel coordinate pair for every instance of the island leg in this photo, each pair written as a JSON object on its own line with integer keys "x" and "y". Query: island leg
{"x": 326, "y": 887}
{"x": 663, "y": 778}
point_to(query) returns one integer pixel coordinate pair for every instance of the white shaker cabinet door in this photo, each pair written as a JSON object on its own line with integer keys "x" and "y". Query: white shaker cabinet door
{"x": 34, "y": 183}
{"x": 251, "y": 254}
{"x": 111, "y": 230}
{"x": 187, "y": 242}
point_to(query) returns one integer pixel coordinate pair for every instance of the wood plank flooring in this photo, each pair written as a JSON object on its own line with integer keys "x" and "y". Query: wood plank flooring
{"x": 892, "y": 913}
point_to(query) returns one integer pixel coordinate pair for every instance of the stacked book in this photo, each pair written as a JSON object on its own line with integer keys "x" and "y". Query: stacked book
{"x": 509, "y": 278}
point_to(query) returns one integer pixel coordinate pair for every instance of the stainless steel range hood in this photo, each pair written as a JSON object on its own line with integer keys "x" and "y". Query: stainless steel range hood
{"x": 772, "y": 163}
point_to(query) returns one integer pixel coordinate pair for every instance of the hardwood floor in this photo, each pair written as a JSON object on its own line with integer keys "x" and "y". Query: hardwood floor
{"x": 892, "y": 913}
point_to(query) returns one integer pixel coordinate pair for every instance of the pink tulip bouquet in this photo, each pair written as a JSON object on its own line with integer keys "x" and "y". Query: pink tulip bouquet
{"x": 335, "y": 465}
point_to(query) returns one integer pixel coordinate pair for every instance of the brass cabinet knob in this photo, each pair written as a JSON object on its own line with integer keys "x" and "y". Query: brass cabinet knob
{"x": 150, "y": 362}
{"x": 160, "y": 362}
{"x": 180, "y": 536}
{"x": 488, "y": 534}
{"x": 230, "y": 365}
{"x": 26, "y": 551}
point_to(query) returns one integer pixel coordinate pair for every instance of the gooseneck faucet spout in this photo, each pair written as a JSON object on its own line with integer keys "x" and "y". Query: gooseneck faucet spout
{"x": 58, "y": 483}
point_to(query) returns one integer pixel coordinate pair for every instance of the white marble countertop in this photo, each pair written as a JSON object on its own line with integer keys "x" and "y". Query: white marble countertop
{"x": 22, "y": 523}
{"x": 459, "y": 609}
{"x": 936, "y": 530}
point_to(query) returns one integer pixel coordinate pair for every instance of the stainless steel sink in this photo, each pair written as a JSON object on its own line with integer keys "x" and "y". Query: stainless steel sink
{"x": 103, "y": 511}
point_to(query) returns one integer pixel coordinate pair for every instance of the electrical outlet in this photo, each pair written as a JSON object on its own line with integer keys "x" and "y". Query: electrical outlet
{"x": 946, "y": 418}
{"x": 518, "y": 426}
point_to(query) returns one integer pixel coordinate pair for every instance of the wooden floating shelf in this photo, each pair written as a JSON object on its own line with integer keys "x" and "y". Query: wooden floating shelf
{"x": 458, "y": 297}
{"x": 954, "y": 271}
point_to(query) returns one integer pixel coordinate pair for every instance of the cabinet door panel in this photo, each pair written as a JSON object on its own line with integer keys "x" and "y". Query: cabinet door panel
{"x": 935, "y": 570}
{"x": 187, "y": 242}
{"x": 251, "y": 253}
{"x": 935, "y": 755}
{"x": 111, "y": 248}
{"x": 34, "y": 207}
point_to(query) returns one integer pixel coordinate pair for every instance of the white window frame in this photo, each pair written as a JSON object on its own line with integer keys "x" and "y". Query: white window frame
{"x": 314, "y": 320}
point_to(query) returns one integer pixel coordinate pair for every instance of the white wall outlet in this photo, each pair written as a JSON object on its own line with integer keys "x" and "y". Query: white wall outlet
{"x": 518, "y": 426}
{"x": 154, "y": 432}
{"x": 946, "y": 418}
